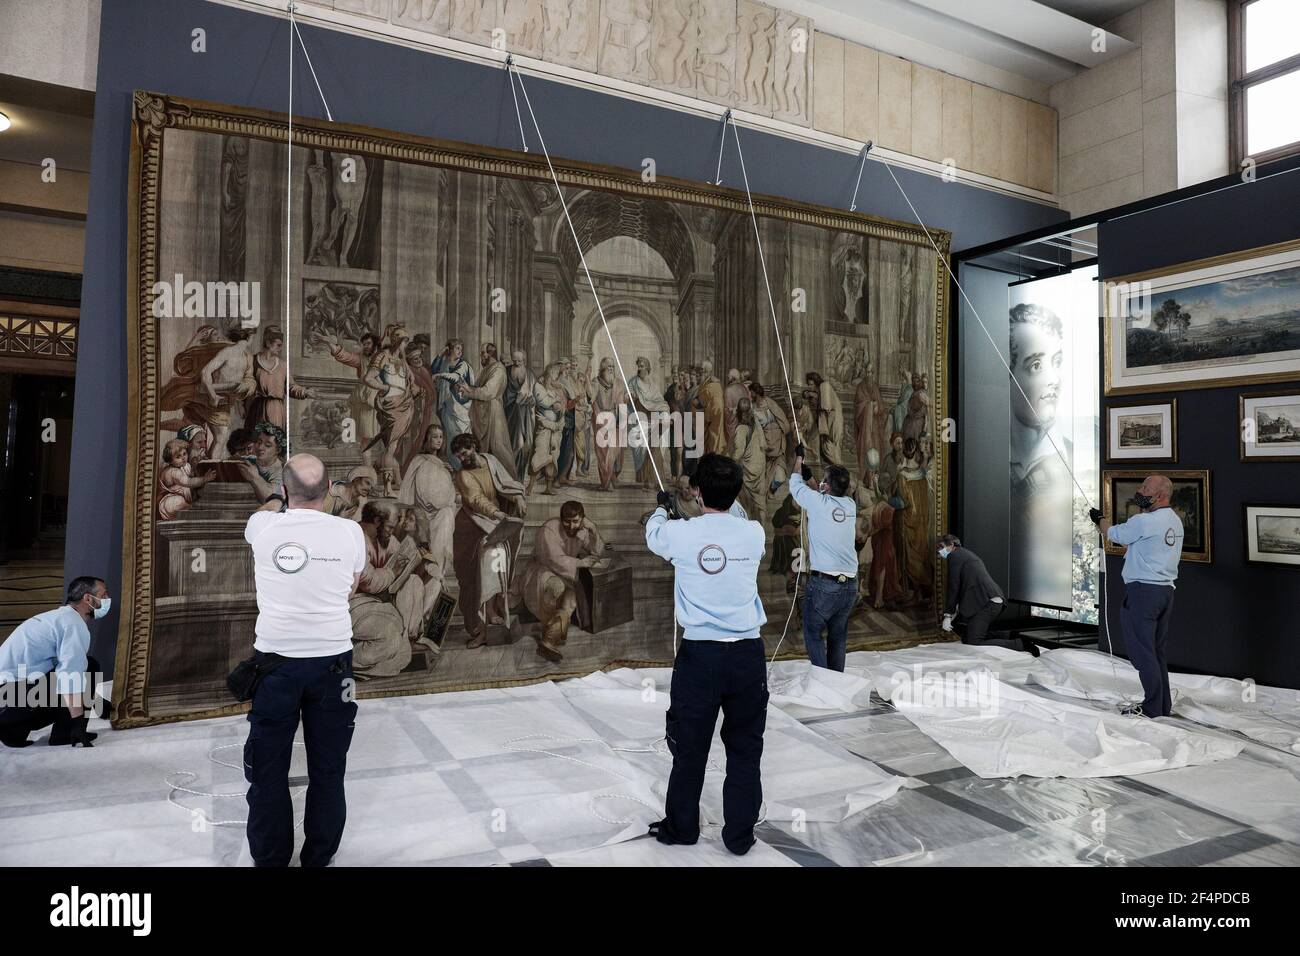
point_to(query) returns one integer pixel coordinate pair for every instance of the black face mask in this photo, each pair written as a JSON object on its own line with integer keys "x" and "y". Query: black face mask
{"x": 1143, "y": 501}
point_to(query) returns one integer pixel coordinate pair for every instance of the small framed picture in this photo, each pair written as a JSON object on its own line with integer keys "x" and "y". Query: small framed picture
{"x": 1143, "y": 432}
{"x": 1190, "y": 500}
{"x": 1272, "y": 534}
{"x": 1270, "y": 426}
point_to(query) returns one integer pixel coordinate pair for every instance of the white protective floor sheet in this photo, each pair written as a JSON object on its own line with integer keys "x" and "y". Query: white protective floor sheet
{"x": 1270, "y": 715}
{"x": 967, "y": 700}
{"x": 489, "y": 776}
{"x": 570, "y": 774}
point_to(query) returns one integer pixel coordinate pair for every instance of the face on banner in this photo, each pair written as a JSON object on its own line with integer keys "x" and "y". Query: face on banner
{"x": 1052, "y": 430}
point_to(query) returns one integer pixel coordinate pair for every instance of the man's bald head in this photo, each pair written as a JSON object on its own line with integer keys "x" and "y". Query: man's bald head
{"x": 1158, "y": 488}
{"x": 305, "y": 481}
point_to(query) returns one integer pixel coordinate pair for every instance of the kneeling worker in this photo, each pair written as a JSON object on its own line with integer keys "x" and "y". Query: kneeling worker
{"x": 833, "y": 558}
{"x": 720, "y": 664}
{"x": 1155, "y": 546}
{"x": 974, "y": 598}
{"x": 44, "y": 665}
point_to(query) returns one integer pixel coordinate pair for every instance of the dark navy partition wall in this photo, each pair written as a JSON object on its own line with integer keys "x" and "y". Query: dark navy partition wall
{"x": 146, "y": 44}
{"x": 1230, "y": 617}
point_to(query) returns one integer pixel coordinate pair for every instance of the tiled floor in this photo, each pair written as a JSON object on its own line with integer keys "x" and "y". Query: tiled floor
{"x": 429, "y": 777}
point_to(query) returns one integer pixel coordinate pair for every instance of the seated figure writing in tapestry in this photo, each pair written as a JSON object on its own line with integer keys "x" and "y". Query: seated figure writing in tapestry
{"x": 548, "y": 582}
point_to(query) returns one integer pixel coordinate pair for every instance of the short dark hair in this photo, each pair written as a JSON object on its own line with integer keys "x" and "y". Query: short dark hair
{"x": 838, "y": 479}
{"x": 372, "y": 511}
{"x": 299, "y": 490}
{"x": 78, "y": 588}
{"x": 950, "y": 540}
{"x": 373, "y": 338}
{"x": 719, "y": 479}
{"x": 572, "y": 509}
{"x": 238, "y": 439}
{"x": 462, "y": 441}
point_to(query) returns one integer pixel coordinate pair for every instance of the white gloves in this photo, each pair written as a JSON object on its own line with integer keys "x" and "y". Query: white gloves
{"x": 947, "y": 622}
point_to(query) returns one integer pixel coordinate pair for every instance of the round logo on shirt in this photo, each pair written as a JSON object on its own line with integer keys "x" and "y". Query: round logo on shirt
{"x": 839, "y": 514}
{"x": 1170, "y": 537}
{"x": 290, "y": 557}
{"x": 712, "y": 559}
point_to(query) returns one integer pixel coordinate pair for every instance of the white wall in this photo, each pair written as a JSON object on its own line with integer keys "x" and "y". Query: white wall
{"x": 1152, "y": 120}
{"x": 53, "y": 41}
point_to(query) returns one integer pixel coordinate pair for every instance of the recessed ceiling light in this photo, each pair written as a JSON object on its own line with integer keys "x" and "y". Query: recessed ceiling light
{"x": 4, "y": 122}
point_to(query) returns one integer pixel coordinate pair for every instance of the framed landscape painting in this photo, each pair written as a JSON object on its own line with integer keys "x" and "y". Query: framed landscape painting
{"x": 1190, "y": 500}
{"x": 1223, "y": 321}
{"x": 1270, "y": 426}
{"x": 1142, "y": 432}
{"x": 1272, "y": 534}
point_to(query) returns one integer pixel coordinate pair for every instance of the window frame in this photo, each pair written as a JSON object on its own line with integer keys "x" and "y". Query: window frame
{"x": 1239, "y": 83}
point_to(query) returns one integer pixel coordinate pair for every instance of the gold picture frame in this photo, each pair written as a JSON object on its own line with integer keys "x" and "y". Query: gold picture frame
{"x": 1120, "y": 287}
{"x": 154, "y": 114}
{"x": 1198, "y": 542}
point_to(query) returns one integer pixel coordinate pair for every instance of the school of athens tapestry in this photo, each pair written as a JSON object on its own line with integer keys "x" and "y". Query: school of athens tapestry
{"x": 434, "y": 298}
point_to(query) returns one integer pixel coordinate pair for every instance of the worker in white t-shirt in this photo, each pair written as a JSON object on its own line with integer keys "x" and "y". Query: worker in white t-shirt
{"x": 306, "y": 565}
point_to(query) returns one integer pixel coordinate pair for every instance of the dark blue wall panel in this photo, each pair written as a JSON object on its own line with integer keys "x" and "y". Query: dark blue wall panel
{"x": 1230, "y": 617}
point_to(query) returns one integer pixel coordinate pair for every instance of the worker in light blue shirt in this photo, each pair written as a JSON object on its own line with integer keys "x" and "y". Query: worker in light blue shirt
{"x": 720, "y": 664}
{"x": 1154, "y": 539}
{"x": 832, "y": 518}
{"x": 44, "y": 664}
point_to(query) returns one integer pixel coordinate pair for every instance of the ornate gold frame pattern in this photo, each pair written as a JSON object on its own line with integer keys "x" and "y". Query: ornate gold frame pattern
{"x": 1156, "y": 388}
{"x": 153, "y": 113}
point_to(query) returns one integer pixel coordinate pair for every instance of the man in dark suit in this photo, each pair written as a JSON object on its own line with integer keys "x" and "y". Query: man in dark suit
{"x": 974, "y": 598}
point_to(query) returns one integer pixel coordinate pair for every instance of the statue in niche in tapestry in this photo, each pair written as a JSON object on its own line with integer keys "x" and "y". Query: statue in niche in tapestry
{"x": 480, "y": 450}
{"x": 342, "y": 209}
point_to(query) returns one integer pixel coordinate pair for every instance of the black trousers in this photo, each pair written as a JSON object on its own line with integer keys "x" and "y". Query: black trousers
{"x": 709, "y": 676}
{"x": 1145, "y": 618}
{"x": 319, "y": 691}
{"x": 976, "y": 628}
{"x": 17, "y": 723}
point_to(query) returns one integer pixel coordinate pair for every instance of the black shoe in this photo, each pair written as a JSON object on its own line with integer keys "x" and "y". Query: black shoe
{"x": 1029, "y": 646}
{"x": 16, "y": 741}
{"x": 740, "y": 849}
{"x": 659, "y": 830}
{"x": 72, "y": 732}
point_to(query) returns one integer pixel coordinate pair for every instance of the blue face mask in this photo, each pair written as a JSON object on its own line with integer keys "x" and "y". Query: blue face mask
{"x": 105, "y": 604}
{"x": 943, "y": 553}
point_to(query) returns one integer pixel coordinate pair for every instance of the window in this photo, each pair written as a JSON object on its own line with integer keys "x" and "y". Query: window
{"x": 1264, "y": 60}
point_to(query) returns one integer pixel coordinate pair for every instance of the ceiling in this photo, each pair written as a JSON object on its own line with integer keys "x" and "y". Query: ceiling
{"x": 1095, "y": 12}
{"x": 48, "y": 121}
{"x": 1021, "y": 46}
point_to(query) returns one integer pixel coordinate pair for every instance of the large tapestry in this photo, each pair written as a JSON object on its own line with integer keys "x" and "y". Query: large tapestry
{"x": 388, "y": 296}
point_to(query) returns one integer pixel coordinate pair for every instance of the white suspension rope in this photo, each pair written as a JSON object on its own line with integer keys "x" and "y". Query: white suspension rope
{"x": 294, "y": 32}
{"x": 853, "y": 203}
{"x": 785, "y": 372}
{"x": 767, "y": 283}
{"x": 301, "y": 43}
{"x": 510, "y": 61}
{"x": 641, "y": 430}
{"x": 1104, "y": 603}
{"x": 288, "y": 243}
{"x": 717, "y": 176}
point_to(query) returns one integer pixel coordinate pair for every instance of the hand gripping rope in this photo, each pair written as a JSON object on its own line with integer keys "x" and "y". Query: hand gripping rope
{"x": 175, "y": 779}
